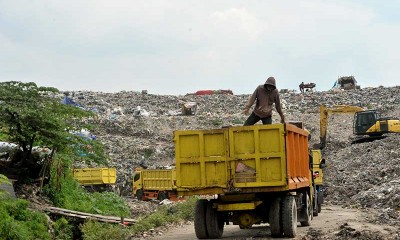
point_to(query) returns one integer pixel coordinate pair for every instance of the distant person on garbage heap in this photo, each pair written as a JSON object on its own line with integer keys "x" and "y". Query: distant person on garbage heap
{"x": 264, "y": 96}
{"x": 301, "y": 86}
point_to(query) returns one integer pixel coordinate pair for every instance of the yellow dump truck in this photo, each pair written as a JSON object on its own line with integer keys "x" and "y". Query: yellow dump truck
{"x": 318, "y": 164}
{"x": 96, "y": 178}
{"x": 154, "y": 184}
{"x": 251, "y": 174}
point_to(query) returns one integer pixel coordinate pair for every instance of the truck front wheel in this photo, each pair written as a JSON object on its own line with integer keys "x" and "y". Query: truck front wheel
{"x": 161, "y": 196}
{"x": 139, "y": 194}
{"x": 289, "y": 216}
{"x": 320, "y": 200}
{"x": 315, "y": 203}
{"x": 200, "y": 219}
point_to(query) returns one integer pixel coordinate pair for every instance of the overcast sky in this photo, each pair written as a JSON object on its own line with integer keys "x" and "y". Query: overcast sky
{"x": 181, "y": 46}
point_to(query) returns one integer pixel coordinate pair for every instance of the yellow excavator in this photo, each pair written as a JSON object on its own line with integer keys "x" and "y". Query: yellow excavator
{"x": 366, "y": 123}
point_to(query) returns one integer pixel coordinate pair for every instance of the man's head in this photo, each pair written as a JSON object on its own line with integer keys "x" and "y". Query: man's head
{"x": 270, "y": 84}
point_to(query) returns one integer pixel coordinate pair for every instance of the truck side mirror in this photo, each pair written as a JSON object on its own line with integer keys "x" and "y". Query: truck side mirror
{"x": 322, "y": 164}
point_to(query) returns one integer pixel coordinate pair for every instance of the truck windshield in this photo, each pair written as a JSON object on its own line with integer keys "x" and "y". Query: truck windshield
{"x": 136, "y": 176}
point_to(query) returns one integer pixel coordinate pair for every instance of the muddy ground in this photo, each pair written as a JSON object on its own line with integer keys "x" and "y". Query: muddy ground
{"x": 334, "y": 222}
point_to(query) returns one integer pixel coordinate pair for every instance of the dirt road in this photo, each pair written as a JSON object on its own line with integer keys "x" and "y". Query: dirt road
{"x": 333, "y": 222}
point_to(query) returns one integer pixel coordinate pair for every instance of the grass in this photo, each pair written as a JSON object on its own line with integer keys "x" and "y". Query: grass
{"x": 72, "y": 196}
{"x": 216, "y": 122}
{"x": 18, "y": 222}
{"x": 174, "y": 213}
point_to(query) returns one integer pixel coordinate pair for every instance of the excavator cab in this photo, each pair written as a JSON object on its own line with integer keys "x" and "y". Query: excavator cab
{"x": 365, "y": 120}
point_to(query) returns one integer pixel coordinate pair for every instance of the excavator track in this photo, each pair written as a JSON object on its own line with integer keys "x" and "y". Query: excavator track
{"x": 367, "y": 139}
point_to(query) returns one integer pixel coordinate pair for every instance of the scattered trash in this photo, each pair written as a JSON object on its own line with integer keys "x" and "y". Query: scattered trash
{"x": 166, "y": 202}
{"x": 7, "y": 147}
{"x": 211, "y": 92}
{"x": 189, "y": 108}
{"x": 84, "y": 133}
{"x": 68, "y": 101}
{"x": 118, "y": 111}
{"x": 140, "y": 112}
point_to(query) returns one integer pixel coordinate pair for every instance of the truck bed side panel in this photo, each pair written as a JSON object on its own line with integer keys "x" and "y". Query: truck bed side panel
{"x": 298, "y": 165}
{"x": 94, "y": 176}
{"x": 158, "y": 179}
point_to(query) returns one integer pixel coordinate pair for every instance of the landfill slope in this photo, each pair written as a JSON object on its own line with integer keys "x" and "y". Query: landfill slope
{"x": 137, "y": 130}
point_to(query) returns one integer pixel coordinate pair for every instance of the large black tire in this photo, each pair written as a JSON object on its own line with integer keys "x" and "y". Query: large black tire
{"x": 200, "y": 219}
{"x": 274, "y": 218}
{"x": 161, "y": 196}
{"x": 307, "y": 212}
{"x": 289, "y": 216}
{"x": 320, "y": 200}
{"x": 315, "y": 203}
{"x": 215, "y": 225}
{"x": 139, "y": 194}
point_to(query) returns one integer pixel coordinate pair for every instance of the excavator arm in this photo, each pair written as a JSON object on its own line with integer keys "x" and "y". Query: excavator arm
{"x": 324, "y": 113}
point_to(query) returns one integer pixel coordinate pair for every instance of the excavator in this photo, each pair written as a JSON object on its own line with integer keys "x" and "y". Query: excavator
{"x": 366, "y": 123}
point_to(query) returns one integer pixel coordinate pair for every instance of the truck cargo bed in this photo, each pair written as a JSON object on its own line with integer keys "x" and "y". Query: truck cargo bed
{"x": 95, "y": 176}
{"x": 158, "y": 179}
{"x": 258, "y": 158}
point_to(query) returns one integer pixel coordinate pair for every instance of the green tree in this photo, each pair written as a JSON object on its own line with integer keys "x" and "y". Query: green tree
{"x": 34, "y": 116}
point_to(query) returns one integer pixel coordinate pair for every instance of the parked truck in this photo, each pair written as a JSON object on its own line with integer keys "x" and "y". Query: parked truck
{"x": 96, "y": 179}
{"x": 157, "y": 184}
{"x": 318, "y": 165}
{"x": 251, "y": 175}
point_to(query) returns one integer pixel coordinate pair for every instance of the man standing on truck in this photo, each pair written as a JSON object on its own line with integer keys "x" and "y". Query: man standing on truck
{"x": 264, "y": 95}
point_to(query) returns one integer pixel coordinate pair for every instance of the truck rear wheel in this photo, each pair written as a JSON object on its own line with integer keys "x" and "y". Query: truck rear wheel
{"x": 215, "y": 225}
{"x": 200, "y": 219}
{"x": 274, "y": 218}
{"x": 289, "y": 216}
{"x": 307, "y": 212}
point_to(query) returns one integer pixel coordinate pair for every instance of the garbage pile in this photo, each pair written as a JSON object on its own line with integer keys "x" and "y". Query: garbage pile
{"x": 366, "y": 175}
{"x": 137, "y": 129}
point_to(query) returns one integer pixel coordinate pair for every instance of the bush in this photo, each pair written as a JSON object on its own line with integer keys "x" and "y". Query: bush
{"x": 95, "y": 230}
{"x": 186, "y": 209}
{"x": 74, "y": 197}
{"x": 13, "y": 230}
{"x": 217, "y": 122}
{"x": 165, "y": 214}
{"x": 62, "y": 230}
{"x": 237, "y": 121}
{"x": 18, "y": 222}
